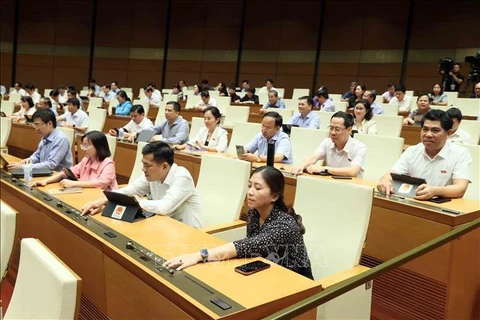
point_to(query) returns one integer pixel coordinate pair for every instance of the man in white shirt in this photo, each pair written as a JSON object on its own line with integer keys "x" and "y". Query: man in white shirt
{"x": 445, "y": 166}
{"x": 205, "y": 101}
{"x": 108, "y": 94}
{"x": 458, "y": 135}
{"x": 305, "y": 118}
{"x": 138, "y": 123}
{"x": 30, "y": 88}
{"x": 152, "y": 98}
{"x": 401, "y": 100}
{"x": 388, "y": 95}
{"x": 171, "y": 187}
{"x": 345, "y": 156}
{"x": 62, "y": 95}
{"x": 114, "y": 87}
{"x": 74, "y": 118}
{"x": 93, "y": 83}
{"x": 19, "y": 89}
{"x": 269, "y": 86}
{"x": 324, "y": 102}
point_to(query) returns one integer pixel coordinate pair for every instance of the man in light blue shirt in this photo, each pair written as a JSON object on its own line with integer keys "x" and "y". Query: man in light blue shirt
{"x": 75, "y": 117}
{"x": 93, "y": 83}
{"x": 273, "y": 102}
{"x": 54, "y": 150}
{"x": 324, "y": 103}
{"x": 109, "y": 94}
{"x": 271, "y": 133}
{"x": 370, "y": 96}
{"x": 174, "y": 129}
{"x": 305, "y": 118}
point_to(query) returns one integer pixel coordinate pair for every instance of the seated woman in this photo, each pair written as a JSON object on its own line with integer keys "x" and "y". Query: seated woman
{"x": 363, "y": 122}
{"x": 272, "y": 229}
{"x": 357, "y": 94}
{"x": 96, "y": 170}
{"x": 27, "y": 108}
{"x": 438, "y": 97}
{"x": 222, "y": 89}
{"x": 196, "y": 89}
{"x": 178, "y": 91}
{"x": 423, "y": 104}
{"x": 211, "y": 137}
{"x": 249, "y": 97}
{"x": 124, "y": 104}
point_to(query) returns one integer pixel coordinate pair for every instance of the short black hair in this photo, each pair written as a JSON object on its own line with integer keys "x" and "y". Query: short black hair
{"x": 175, "y": 104}
{"x": 28, "y": 100}
{"x": 438, "y": 115}
{"x": 322, "y": 93}
{"x": 269, "y": 80}
{"x": 400, "y": 87}
{"x": 372, "y": 94}
{"x": 204, "y": 81}
{"x": 457, "y": 64}
{"x": 29, "y": 86}
{"x": 47, "y": 101}
{"x": 74, "y": 101}
{"x": 245, "y": 81}
{"x": 138, "y": 108}
{"x": 309, "y": 100}
{"x": 390, "y": 84}
{"x": 149, "y": 89}
{"x": 72, "y": 92}
{"x": 347, "y": 118}
{"x": 252, "y": 90}
{"x": 161, "y": 151}
{"x": 45, "y": 116}
{"x": 455, "y": 113}
{"x": 93, "y": 81}
{"x": 107, "y": 85}
{"x": 100, "y": 142}
{"x": 204, "y": 93}
{"x": 278, "y": 118}
{"x": 54, "y": 93}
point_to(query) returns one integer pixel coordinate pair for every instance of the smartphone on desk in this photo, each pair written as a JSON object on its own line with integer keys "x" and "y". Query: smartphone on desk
{"x": 440, "y": 200}
{"x": 240, "y": 151}
{"x": 252, "y": 267}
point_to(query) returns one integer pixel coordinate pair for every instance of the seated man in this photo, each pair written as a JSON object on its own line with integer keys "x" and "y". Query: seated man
{"x": 273, "y": 102}
{"x": 305, "y": 118}
{"x": 171, "y": 187}
{"x": 370, "y": 96}
{"x": 324, "y": 102}
{"x": 458, "y": 135}
{"x": 249, "y": 97}
{"x": 54, "y": 150}
{"x": 401, "y": 100}
{"x": 174, "y": 129}
{"x": 345, "y": 156}
{"x": 271, "y": 133}
{"x": 75, "y": 117}
{"x": 388, "y": 95}
{"x": 476, "y": 94}
{"x": 152, "y": 98}
{"x": 30, "y": 88}
{"x": 138, "y": 123}
{"x": 205, "y": 101}
{"x": 268, "y": 86}
{"x": 444, "y": 165}
{"x": 350, "y": 93}
{"x": 109, "y": 94}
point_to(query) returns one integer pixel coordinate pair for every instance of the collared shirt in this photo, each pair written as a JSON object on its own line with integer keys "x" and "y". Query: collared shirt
{"x": 278, "y": 239}
{"x": 347, "y": 95}
{"x": 132, "y": 127}
{"x": 79, "y": 119}
{"x": 62, "y": 98}
{"x": 211, "y": 103}
{"x": 460, "y": 136}
{"x": 367, "y": 127}
{"x": 176, "y": 133}
{"x": 282, "y": 145}
{"x": 327, "y": 106}
{"x": 353, "y": 153}
{"x": 376, "y": 108}
{"x": 123, "y": 108}
{"x": 266, "y": 90}
{"x": 438, "y": 99}
{"x": 154, "y": 99}
{"x": 175, "y": 197}
{"x": 279, "y": 105}
{"x": 387, "y": 96}
{"x": 253, "y": 99}
{"x": 35, "y": 97}
{"x": 100, "y": 173}
{"x": 109, "y": 96}
{"x": 404, "y": 105}
{"x": 452, "y": 162}
{"x": 53, "y": 152}
{"x": 311, "y": 120}
{"x": 22, "y": 112}
{"x": 218, "y": 140}
{"x": 158, "y": 94}
{"x": 97, "y": 90}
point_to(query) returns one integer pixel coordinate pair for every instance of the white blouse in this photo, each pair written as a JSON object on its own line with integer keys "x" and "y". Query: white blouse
{"x": 218, "y": 140}
{"x": 368, "y": 127}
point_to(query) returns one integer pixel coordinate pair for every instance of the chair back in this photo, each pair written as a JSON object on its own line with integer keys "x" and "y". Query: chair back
{"x": 281, "y": 92}
{"x": 236, "y": 114}
{"x": 473, "y": 190}
{"x": 5, "y": 131}
{"x": 112, "y": 145}
{"x": 221, "y": 205}
{"x": 262, "y": 97}
{"x": 145, "y": 104}
{"x": 160, "y": 114}
{"x": 197, "y": 124}
{"x": 388, "y": 125}
{"x": 409, "y": 93}
{"x": 389, "y": 109}
{"x": 7, "y": 106}
{"x": 297, "y": 93}
{"x": 14, "y": 97}
{"x": 170, "y": 97}
{"x": 243, "y": 133}
{"x": 332, "y": 224}
{"x": 7, "y": 235}
{"x": 285, "y": 113}
{"x": 451, "y": 98}
{"x": 304, "y": 142}
{"x": 324, "y": 118}
{"x": 472, "y": 127}
{"x": 46, "y": 92}
{"x": 137, "y": 166}
{"x": 95, "y": 102}
{"x": 192, "y": 101}
{"x": 83, "y": 93}
{"x": 45, "y": 287}
{"x": 222, "y": 104}
{"x": 335, "y": 97}
{"x": 291, "y": 104}
{"x": 383, "y": 152}
{"x": 469, "y": 107}
{"x": 70, "y": 133}
{"x": 127, "y": 90}
{"x": 96, "y": 119}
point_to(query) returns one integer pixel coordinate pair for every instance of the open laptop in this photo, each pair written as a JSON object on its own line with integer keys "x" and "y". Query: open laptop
{"x": 124, "y": 207}
{"x": 18, "y": 173}
{"x": 145, "y": 136}
{"x": 405, "y": 185}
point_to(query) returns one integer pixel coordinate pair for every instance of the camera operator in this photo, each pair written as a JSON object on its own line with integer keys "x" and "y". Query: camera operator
{"x": 454, "y": 79}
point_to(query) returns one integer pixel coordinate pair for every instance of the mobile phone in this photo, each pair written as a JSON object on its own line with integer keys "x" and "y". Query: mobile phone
{"x": 240, "y": 151}
{"x": 342, "y": 177}
{"x": 2, "y": 114}
{"x": 252, "y": 267}
{"x": 439, "y": 199}
{"x": 69, "y": 174}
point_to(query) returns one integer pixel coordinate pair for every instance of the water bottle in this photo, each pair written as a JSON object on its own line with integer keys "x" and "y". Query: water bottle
{"x": 27, "y": 172}
{"x": 120, "y": 133}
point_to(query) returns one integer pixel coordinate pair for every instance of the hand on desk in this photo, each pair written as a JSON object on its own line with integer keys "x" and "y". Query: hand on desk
{"x": 184, "y": 261}
{"x": 297, "y": 171}
{"x": 93, "y": 207}
{"x": 65, "y": 183}
{"x": 385, "y": 185}
{"x": 18, "y": 165}
{"x": 112, "y": 132}
{"x": 315, "y": 169}
{"x": 41, "y": 183}
{"x": 424, "y": 192}
{"x": 249, "y": 157}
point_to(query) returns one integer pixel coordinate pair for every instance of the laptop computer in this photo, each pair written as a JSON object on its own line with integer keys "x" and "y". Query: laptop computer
{"x": 18, "y": 173}
{"x": 145, "y": 136}
{"x": 405, "y": 185}
{"x": 124, "y": 207}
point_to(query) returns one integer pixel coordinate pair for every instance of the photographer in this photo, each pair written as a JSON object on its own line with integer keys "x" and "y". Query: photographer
{"x": 454, "y": 79}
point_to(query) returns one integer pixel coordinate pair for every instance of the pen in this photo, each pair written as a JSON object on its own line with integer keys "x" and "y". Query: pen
{"x": 451, "y": 211}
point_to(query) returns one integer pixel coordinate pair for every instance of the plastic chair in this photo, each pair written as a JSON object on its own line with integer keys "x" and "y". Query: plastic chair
{"x": 285, "y": 113}
{"x": 192, "y": 101}
{"x": 96, "y": 119}
{"x": 382, "y": 153}
{"x": 335, "y": 234}
{"x": 389, "y": 109}
{"x": 472, "y": 127}
{"x": 243, "y": 133}
{"x": 170, "y": 97}
{"x": 297, "y": 93}
{"x": 45, "y": 287}
{"x": 222, "y": 205}
{"x": 112, "y": 144}
{"x": 473, "y": 190}
{"x": 8, "y": 107}
{"x": 5, "y": 131}
{"x": 70, "y": 133}
{"x": 305, "y": 142}
{"x": 197, "y": 124}
{"x": 389, "y": 125}
{"x": 469, "y": 107}
{"x": 291, "y": 104}
{"x": 137, "y": 166}
{"x": 236, "y": 114}
{"x": 7, "y": 236}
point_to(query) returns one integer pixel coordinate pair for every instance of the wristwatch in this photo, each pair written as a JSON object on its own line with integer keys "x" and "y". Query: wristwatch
{"x": 326, "y": 169}
{"x": 204, "y": 255}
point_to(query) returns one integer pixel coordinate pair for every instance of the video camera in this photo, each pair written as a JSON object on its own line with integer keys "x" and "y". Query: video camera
{"x": 445, "y": 65}
{"x": 474, "y": 74}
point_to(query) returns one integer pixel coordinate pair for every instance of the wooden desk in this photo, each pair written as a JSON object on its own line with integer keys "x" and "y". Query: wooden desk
{"x": 117, "y": 285}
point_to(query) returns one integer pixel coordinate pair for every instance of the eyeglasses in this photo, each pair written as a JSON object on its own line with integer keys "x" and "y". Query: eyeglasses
{"x": 37, "y": 124}
{"x": 268, "y": 128}
{"x": 336, "y": 129}
{"x": 85, "y": 146}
